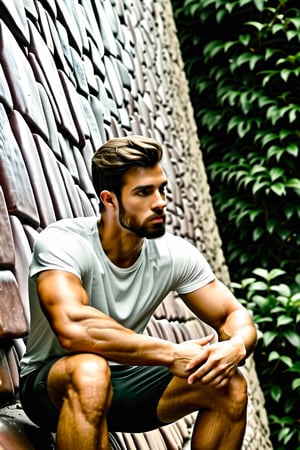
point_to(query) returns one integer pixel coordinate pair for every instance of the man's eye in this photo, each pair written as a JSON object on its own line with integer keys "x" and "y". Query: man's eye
{"x": 142, "y": 193}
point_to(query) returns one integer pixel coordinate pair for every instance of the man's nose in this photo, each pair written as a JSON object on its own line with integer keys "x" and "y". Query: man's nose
{"x": 159, "y": 200}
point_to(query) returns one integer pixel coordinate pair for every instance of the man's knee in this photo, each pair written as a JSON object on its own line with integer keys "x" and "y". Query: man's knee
{"x": 90, "y": 386}
{"x": 90, "y": 369}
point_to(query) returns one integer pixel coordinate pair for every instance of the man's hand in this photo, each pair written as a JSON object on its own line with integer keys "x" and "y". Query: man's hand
{"x": 216, "y": 363}
{"x": 187, "y": 352}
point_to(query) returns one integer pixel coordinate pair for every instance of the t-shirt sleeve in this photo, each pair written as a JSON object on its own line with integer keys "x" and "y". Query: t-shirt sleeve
{"x": 192, "y": 271}
{"x": 58, "y": 250}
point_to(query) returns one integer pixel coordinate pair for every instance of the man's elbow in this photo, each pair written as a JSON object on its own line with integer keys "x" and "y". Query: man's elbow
{"x": 67, "y": 336}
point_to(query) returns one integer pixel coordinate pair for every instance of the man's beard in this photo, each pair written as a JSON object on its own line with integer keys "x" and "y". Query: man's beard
{"x": 154, "y": 230}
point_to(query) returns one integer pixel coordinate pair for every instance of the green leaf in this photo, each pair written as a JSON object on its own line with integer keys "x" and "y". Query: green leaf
{"x": 259, "y": 26}
{"x": 213, "y": 48}
{"x": 284, "y": 134}
{"x": 296, "y": 22}
{"x": 278, "y": 189}
{"x": 296, "y": 297}
{"x": 284, "y": 320}
{"x": 245, "y": 39}
{"x": 287, "y": 360}
{"x": 291, "y": 34}
{"x": 282, "y": 289}
{"x": 247, "y": 281}
{"x": 263, "y": 273}
{"x": 243, "y": 128}
{"x": 233, "y": 98}
{"x": 270, "y": 52}
{"x": 293, "y": 183}
{"x": 260, "y": 301}
{"x": 229, "y": 44}
{"x": 276, "y": 392}
{"x": 277, "y": 28}
{"x": 257, "y": 233}
{"x": 268, "y": 75}
{"x": 285, "y": 435}
{"x": 269, "y": 137}
{"x": 276, "y": 151}
{"x": 275, "y": 273}
{"x": 259, "y": 4}
{"x": 292, "y": 337}
{"x": 259, "y": 185}
{"x": 289, "y": 211}
{"x": 293, "y": 149}
{"x": 296, "y": 384}
{"x": 259, "y": 286}
{"x": 233, "y": 123}
{"x": 229, "y": 6}
{"x": 273, "y": 114}
{"x": 268, "y": 337}
{"x": 220, "y": 15}
{"x": 271, "y": 225}
{"x": 276, "y": 172}
{"x": 258, "y": 169}
{"x": 292, "y": 115}
{"x": 255, "y": 213}
{"x": 273, "y": 356}
{"x": 263, "y": 100}
{"x": 285, "y": 74}
{"x": 253, "y": 60}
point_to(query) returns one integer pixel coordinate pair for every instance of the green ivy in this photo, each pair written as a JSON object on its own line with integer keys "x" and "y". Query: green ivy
{"x": 276, "y": 311}
{"x": 242, "y": 60}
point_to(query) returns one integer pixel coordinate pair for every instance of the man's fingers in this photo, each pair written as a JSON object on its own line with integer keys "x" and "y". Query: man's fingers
{"x": 210, "y": 377}
{"x": 205, "y": 340}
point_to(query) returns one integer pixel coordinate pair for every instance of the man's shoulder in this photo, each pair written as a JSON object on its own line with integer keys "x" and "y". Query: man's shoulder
{"x": 77, "y": 225}
{"x": 65, "y": 232}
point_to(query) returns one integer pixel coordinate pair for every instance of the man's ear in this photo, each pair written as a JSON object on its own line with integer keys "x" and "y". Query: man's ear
{"x": 108, "y": 199}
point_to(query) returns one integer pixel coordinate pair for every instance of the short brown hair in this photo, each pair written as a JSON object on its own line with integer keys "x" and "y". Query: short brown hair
{"x": 114, "y": 158}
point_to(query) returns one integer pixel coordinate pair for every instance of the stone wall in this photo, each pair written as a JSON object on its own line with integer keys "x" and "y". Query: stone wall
{"x": 73, "y": 74}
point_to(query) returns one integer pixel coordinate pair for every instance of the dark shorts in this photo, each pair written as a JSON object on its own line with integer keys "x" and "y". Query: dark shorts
{"x": 136, "y": 392}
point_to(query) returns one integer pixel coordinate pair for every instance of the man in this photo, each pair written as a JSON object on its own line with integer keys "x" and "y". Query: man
{"x": 94, "y": 284}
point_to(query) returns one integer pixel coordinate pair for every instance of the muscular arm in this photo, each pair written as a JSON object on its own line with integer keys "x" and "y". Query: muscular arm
{"x": 218, "y": 307}
{"x": 82, "y": 328}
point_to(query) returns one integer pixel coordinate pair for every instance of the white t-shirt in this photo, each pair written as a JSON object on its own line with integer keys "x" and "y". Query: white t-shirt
{"x": 128, "y": 295}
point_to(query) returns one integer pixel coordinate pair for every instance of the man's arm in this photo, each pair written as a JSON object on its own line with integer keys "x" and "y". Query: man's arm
{"x": 81, "y": 328}
{"x": 217, "y": 306}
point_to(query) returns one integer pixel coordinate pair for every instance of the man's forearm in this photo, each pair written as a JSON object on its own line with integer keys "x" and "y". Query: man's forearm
{"x": 240, "y": 327}
{"x": 109, "y": 339}
{"x": 100, "y": 334}
{"x": 127, "y": 347}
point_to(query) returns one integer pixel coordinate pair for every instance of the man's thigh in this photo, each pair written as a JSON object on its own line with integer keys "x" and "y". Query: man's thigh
{"x": 181, "y": 398}
{"x": 136, "y": 393}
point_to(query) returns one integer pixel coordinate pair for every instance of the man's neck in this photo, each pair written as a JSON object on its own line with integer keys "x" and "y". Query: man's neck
{"x": 120, "y": 246}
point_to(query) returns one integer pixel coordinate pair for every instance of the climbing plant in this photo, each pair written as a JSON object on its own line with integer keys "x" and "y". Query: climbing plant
{"x": 276, "y": 310}
{"x": 242, "y": 60}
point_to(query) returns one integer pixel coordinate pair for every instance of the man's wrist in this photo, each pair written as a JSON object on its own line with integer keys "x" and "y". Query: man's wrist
{"x": 243, "y": 351}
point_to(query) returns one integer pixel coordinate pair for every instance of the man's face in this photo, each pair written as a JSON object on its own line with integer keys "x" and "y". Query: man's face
{"x": 143, "y": 201}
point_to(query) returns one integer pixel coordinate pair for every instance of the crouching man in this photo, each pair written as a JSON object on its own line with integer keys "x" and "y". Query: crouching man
{"x": 94, "y": 285}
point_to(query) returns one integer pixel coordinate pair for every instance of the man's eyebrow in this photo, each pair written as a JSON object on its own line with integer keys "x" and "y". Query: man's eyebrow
{"x": 149, "y": 186}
